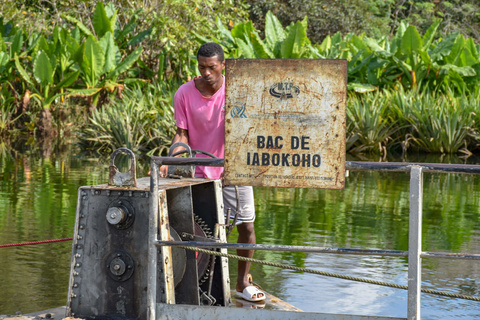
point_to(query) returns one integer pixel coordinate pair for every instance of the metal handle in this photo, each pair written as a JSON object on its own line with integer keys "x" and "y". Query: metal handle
{"x": 123, "y": 179}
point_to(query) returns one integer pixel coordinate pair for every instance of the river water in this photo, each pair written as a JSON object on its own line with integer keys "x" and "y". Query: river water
{"x": 38, "y": 200}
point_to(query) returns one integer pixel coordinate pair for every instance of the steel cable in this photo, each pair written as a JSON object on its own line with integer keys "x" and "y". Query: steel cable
{"x": 33, "y": 242}
{"x": 329, "y": 274}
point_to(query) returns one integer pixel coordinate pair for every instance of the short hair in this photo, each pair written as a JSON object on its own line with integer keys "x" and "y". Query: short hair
{"x": 211, "y": 49}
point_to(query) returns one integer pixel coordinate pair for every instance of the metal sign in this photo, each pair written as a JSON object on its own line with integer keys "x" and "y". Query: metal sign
{"x": 285, "y": 123}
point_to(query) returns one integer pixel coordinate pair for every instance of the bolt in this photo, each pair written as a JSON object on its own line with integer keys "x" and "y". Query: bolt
{"x": 119, "y": 254}
{"x": 74, "y": 295}
{"x": 116, "y": 267}
{"x": 130, "y": 193}
{"x": 120, "y": 202}
{"x": 78, "y": 265}
{"x": 84, "y": 193}
{"x": 129, "y": 267}
{"x": 113, "y": 215}
{"x": 84, "y": 198}
{"x": 75, "y": 273}
{"x": 79, "y": 237}
{"x": 97, "y": 192}
{"x": 82, "y": 227}
{"x": 78, "y": 255}
{"x": 75, "y": 285}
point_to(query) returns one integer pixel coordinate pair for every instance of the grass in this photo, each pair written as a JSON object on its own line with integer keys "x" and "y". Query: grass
{"x": 141, "y": 121}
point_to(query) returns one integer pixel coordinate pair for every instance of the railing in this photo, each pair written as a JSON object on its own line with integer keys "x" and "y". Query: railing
{"x": 414, "y": 252}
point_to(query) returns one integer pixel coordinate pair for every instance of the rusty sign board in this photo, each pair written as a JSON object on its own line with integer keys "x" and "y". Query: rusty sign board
{"x": 285, "y": 122}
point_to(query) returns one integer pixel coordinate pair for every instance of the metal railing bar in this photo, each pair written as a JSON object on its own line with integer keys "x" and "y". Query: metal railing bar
{"x": 349, "y": 165}
{"x": 207, "y": 162}
{"x": 406, "y": 167}
{"x": 269, "y": 247}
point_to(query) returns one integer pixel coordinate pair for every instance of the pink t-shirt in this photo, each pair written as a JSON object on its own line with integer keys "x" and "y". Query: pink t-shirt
{"x": 203, "y": 117}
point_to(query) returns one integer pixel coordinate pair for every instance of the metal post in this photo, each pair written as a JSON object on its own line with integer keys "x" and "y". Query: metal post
{"x": 152, "y": 238}
{"x": 415, "y": 243}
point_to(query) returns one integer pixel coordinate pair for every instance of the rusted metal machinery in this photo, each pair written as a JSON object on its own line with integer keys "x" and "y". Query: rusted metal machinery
{"x": 117, "y": 271}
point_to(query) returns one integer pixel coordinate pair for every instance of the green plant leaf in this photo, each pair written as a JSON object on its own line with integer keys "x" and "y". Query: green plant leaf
{"x": 3, "y": 46}
{"x": 261, "y": 50}
{"x": 274, "y": 32}
{"x": 456, "y": 51}
{"x": 361, "y": 87}
{"x": 112, "y": 53}
{"x": 22, "y": 71}
{"x": 126, "y": 63}
{"x": 101, "y": 22}
{"x": 17, "y": 44}
{"x": 470, "y": 44}
{"x": 467, "y": 58}
{"x": 247, "y": 52}
{"x": 242, "y": 31}
{"x": 224, "y": 31}
{"x": 430, "y": 34}
{"x": 443, "y": 48}
{"x": 397, "y": 39}
{"x": 326, "y": 44}
{"x": 463, "y": 71}
{"x": 411, "y": 41}
{"x": 4, "y": 59}
{"x": 140, "y": 37}
{"x": 49, "y": 100}
{"x": 68, "y": 80}
{"x": 292, "y": 46}
{"x": 83, "y": 92}
{"x": 42, "y": 69}
{"x": 80, "y": 26}
{"x": 93, "y": 61}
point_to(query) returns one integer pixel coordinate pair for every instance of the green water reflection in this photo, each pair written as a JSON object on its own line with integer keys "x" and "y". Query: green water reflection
{"x": 38, "y": 199}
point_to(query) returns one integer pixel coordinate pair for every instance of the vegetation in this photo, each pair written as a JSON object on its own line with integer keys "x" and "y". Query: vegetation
{"x": 108, "y": 72}
{"x": 375, "y": 18}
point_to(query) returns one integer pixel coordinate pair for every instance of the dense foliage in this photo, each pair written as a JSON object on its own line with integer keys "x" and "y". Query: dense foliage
{"x": 117, "y": 67}
{"x": 373, "y": 17}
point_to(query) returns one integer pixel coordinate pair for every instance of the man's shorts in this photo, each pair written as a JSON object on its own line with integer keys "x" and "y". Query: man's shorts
{"x": 246, "y": 205}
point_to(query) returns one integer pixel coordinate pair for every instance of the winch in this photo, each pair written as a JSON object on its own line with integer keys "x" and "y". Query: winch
{"x": 116, "y": 269}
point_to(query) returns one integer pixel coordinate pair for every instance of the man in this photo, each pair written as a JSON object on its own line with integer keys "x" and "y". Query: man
{"x": 199, "y": 115}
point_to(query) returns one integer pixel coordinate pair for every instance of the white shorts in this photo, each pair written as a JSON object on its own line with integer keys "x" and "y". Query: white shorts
{"x": 246, "y": 205}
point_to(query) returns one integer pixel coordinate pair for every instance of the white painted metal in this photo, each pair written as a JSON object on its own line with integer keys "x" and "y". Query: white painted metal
{"x": 415, "y": 243}
{"x": 223, "y": 239}
{"x": 186, "y": 312}
{"x": 152, "y": 237}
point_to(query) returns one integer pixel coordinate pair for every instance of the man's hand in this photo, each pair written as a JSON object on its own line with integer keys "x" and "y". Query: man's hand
{"x": 180, "y": 136}
{"x": 163, "y": 171}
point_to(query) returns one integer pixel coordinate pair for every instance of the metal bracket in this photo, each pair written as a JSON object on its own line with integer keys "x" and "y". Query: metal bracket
{"x": 123, "y": 179}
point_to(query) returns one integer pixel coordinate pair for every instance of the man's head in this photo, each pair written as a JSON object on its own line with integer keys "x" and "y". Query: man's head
{"x": 211, "y": 49}
{"x": 211, "y": 63}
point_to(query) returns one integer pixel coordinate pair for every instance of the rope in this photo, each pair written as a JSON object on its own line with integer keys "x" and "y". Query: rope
{"x": 33, "y": 242}
{"x": 329, "y": 274}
